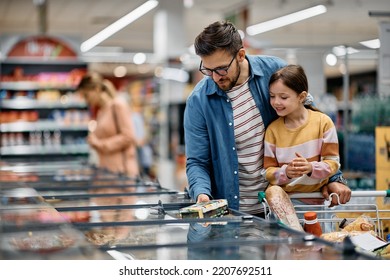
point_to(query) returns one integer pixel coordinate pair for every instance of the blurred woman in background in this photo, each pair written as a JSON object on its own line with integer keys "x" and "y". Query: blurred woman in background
{"x": 114, "y": 136}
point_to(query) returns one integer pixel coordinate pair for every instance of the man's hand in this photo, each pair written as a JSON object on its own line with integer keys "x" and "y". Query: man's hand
{"x": 202, "y": 198}
{"x": 343, "y": 191}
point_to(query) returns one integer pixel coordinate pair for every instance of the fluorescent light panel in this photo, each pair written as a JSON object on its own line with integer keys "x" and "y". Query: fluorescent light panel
{"x": 285, "y": 20}
{"x": 343, "y": 50}
{"x": 118, "y": 25}
{"x": 372, "y": 44}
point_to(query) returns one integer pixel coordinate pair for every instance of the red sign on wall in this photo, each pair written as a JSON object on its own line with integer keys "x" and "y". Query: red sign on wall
{"x": 42, "y": 47}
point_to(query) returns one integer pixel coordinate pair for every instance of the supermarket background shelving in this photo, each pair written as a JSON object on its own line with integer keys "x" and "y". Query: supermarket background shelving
{"x": 75, "y": 21}
{"x": 41, "y": 115}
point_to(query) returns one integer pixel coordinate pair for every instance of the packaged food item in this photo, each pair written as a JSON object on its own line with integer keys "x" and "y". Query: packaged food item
{"x": 339, "y": 236}
{"x": 361, "y": 223}
{"x": 280, "y": 203}
{"x": 336, "y": 236}
{"x": 210, "y": 209}
{"x": 311, "y": 224}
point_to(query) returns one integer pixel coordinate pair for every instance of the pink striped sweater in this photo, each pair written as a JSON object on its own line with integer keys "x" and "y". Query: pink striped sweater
{"x": 316, "y": 140}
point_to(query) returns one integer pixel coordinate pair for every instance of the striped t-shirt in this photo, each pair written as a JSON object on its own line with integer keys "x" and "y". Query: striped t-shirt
{"x": 249, "y": 136}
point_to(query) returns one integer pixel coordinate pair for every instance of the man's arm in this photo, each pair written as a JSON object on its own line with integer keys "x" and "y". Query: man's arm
{"x": 197, "y": 152}
{"x": 338, "y": 185}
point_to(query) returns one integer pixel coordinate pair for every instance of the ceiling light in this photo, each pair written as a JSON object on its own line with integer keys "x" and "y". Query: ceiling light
{"x": 174, "y": 74}
{"x": 188, "y": 3}
{"x": 285, "y": 20}
{"x": 242, "y": 33}
{"x": 343, "y": 50}
{"x": 372, "y": 44}
{"x": 118, "y": 25}
{"x": 191, "y": 49}
{"x": 108, "y": 49}
{"x": 139, "y": 58}
{"x": 331, "y": 59}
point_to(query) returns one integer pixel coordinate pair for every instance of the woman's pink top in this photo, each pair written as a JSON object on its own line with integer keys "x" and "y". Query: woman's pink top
{"x": 116, "y": 149}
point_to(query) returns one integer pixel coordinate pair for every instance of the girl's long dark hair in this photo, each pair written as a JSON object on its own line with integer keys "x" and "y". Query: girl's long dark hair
{"x": 293, "y": 77}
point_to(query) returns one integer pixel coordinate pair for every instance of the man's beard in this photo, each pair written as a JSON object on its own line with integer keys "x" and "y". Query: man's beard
{"x": 233, "y": 82}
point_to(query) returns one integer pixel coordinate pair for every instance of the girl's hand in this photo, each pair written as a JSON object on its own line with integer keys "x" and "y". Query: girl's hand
{"x": 298, "y": 167}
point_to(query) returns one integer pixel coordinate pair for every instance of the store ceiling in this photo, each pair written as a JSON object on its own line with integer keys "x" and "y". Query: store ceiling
{"x": 347, "y": 22}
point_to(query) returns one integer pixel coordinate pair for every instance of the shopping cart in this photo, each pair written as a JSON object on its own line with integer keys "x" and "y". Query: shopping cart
{"x": 332, "y": 218}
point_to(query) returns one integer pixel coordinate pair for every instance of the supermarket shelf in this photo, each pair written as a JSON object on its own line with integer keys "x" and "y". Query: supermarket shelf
{"x": 22, "y": 126}
{"x": 44, "y": 150}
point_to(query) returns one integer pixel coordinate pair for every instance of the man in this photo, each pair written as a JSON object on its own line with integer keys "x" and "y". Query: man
{"x": 225, "y": 120}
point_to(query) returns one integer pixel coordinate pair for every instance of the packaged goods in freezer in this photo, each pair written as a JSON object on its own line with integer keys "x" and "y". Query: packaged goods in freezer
{"x": 210, "y": 209}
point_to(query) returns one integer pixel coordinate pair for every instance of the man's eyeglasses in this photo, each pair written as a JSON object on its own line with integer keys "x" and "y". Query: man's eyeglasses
{"x": 221, "y": 71}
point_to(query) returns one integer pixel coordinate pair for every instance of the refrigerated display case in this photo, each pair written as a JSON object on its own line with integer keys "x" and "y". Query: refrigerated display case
{"x": 100, "y": 215}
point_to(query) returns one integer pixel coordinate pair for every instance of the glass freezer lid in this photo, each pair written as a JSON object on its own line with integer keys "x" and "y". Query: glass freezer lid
{"x": 50, "y": 168}
{"x": 168, "y": 230}
{"x": 116, "y": 214}
{"x": 147, "y": 198}
{"x": 90, "y": 184}
{"x": 221, "y": 238}
{"x": 252, "y": 250}
{"x": 9, "y": 176}
{"x": 58, "y": 188}
{"x": 57, "y": 243}
{"x": 30, "y": 216}
{"x": 61, "y": 171}
{"x": 92, "y": 195}
{"x": 19, "y": 196}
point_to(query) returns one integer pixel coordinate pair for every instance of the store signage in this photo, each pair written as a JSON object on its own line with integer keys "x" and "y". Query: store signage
{"x": 42, "y": 47}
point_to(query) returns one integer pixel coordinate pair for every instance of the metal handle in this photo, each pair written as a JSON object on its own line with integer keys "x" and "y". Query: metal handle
{"x": 384, "y": 193}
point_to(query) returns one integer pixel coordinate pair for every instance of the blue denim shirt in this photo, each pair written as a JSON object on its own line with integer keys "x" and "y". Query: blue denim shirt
{"x": 212, "y": 162}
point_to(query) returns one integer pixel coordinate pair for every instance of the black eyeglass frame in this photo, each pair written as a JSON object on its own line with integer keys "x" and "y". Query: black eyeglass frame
{"x": 209, "y": 72}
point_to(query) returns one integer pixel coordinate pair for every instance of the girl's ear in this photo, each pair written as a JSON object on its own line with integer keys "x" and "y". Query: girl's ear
{"x": 302, "y": 96}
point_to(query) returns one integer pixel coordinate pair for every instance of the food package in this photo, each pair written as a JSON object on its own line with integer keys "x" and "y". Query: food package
{"x": 339, "y": 236}
{"x": 210, "y": 209}
{"x": 336, "y": 236}
{"x": 280, "y": 203}
{"x": 361, "y": 223}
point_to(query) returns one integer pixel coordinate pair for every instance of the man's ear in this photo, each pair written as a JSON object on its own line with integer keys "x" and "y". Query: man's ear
{"x": 241, "y": 54}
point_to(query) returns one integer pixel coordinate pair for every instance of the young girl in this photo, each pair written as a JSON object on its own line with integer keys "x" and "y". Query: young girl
{"x": 301, "y": 146}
